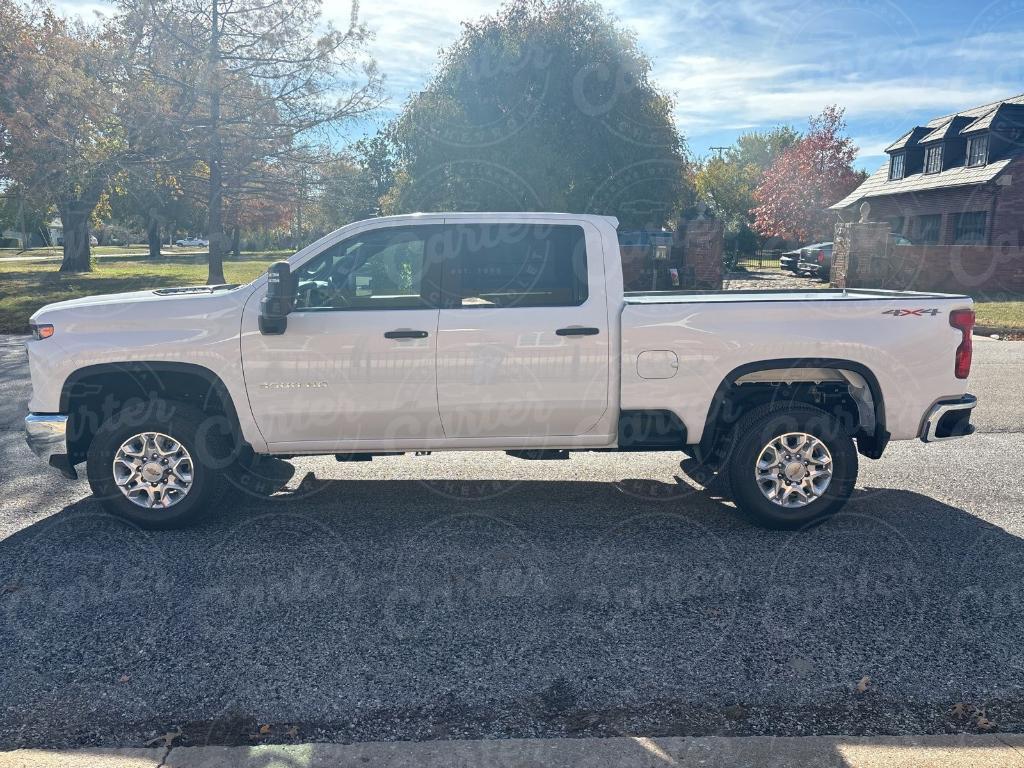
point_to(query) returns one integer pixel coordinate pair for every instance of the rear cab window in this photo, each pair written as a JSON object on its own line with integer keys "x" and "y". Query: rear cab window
{"x": 516, "y": 265}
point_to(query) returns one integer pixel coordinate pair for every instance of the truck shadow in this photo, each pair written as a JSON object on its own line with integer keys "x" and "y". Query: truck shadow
{"x": 419, "y": 610}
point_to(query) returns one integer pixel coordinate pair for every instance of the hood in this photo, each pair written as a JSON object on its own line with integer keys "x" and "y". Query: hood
{"x": 156, "y": 295}
{"x": 125, "y": 305}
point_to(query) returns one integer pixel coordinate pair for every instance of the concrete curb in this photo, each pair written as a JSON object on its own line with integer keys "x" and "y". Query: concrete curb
{"x": 995, "y": 751}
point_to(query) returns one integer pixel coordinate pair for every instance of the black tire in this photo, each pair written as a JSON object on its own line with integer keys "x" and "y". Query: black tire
{"x": 205, "y": 437}
{"x": 762, "y": 425}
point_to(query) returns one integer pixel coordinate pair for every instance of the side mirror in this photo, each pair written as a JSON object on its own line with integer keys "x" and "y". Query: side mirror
{"x": 279, "y": 301}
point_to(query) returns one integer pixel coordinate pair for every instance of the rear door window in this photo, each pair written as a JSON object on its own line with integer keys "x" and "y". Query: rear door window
{"x": 516, "y": 265}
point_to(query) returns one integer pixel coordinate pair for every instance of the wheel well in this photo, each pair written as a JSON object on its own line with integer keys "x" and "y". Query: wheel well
{"x": 847, "y": 390}
{"x": 93, "y": 394}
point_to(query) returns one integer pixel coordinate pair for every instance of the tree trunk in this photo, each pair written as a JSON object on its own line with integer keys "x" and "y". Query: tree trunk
{"x": 236, "y": 237}
{"x": 153, "y": 235}
{"x": 215, "y": 200}
{"x": 74, "y": 215}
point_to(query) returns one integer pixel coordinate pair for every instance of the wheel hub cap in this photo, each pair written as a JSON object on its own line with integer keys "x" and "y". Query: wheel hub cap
{"x": 793, "y": 469}
{"x": 153, "y": 470}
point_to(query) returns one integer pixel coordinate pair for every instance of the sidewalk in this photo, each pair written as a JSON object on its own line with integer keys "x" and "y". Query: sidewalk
{"x": 958, "y": 751}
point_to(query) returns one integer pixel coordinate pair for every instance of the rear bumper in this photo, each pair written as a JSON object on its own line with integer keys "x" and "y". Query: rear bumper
{"x": 46, "y": 435}
{"x": 949, "y": 419}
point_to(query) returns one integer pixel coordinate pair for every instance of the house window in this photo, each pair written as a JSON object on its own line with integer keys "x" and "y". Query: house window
{"x": 977, "y": 150}
{"x": 895, "y": 224}
{"x": 970, "y": 228}
{"x": 896, "y": 163}
{"x": 928, "y": 229}
{"x": 933, "y": 159}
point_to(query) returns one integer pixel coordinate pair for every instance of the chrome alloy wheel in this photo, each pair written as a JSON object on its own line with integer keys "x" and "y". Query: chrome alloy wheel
{"x": 153, "y": 470}
{"x": 793, "y": 469}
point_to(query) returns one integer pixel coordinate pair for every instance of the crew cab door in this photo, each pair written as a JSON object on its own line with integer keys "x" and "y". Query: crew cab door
{"x": 356, "y": 362}
{"x": 522, "y": 342}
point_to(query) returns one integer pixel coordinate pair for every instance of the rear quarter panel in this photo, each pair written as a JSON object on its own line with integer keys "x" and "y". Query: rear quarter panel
{"x": 911, "y": 355}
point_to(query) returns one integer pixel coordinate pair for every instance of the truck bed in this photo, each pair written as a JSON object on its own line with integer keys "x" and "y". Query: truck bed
{"x": 819, "y": 294}
{"x": 903, "y": 338}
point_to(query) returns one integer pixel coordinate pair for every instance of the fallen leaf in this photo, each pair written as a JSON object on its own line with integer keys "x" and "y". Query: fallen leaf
{"x": 292, "y": 732}
{"x": 985, "y": 724}
{"x": 167, "y": 739}
{"x": 7, "y": 589}
{"x": 123, "y": 679}
{"x": 863, "y": 684}
{"x": 261, "y": 733}
{"x": 959, "y": 710}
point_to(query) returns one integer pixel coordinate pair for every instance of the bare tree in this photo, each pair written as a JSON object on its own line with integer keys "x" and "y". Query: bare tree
{"x": 257, "y": 83}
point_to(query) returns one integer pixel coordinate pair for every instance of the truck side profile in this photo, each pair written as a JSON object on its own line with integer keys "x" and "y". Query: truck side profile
{"x": 476, "y": 331}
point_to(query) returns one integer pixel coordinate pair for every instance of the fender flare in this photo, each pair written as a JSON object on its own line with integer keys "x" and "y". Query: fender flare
{"x": 871, "y": 445}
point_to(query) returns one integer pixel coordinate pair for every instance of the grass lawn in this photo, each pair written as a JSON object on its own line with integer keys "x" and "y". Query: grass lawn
{"x": 25, "y": 286}
{"x": 1001, "y": 310}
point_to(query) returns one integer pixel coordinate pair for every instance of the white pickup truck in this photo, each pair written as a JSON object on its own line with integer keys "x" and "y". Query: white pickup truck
{"x": 471, "y": 331}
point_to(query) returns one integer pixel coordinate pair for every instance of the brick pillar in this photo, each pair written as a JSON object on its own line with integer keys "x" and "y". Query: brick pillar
{"x": 703, "y": 241}
{"x": 860, "y": 255}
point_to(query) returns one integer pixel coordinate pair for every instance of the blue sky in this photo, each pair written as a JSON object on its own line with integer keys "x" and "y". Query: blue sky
{"x": 748, "y": 64}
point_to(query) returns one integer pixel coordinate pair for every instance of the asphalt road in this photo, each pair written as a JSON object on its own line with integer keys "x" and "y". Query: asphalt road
{"x": 475, "y": 595}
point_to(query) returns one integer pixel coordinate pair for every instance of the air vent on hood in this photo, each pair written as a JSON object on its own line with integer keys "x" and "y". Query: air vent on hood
{"x": 194, "y": 289}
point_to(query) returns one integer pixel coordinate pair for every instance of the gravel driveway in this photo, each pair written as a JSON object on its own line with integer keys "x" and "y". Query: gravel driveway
{"x": 479, "y": 595}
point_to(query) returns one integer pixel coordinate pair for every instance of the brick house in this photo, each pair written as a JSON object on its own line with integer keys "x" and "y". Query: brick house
{"x": 957, "y": 180}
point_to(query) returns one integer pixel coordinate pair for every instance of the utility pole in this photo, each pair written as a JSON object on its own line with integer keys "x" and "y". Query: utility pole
{"x": 719, "y": 150}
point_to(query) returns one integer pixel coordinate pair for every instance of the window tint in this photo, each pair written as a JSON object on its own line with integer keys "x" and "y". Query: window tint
{"x": 380, "y": 269}
{"x": 518, "y": 265}
{"x": 970, "y": 228}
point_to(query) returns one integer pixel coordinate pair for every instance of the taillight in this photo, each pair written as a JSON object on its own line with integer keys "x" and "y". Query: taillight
{"x": 963, "y": 320}
{"x": 821, "y": 257}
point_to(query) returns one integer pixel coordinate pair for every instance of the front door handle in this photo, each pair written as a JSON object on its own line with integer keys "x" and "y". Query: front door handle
{"x": 406, "y": 334}
{"x": 576, "y": 330}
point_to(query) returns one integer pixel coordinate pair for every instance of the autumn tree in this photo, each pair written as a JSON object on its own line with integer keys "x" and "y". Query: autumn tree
{"x": 815, "y": 172}
{"x": 546, "y": 105}
{"x": 727, "y": 182}
{"x": 272, "y": 75}
{"x": 61, "y": 130}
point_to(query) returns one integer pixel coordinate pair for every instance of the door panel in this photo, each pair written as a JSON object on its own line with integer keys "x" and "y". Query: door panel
{"x": 523, "y": 343}
{"x": 357, "y": 360}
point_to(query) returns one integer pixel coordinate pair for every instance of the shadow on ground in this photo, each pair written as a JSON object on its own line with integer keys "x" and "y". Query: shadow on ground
{"x": 381, "y": 610}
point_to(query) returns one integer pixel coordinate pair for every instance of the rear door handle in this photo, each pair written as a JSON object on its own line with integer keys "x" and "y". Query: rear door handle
{"x": 406, "y": 334}
{"x": 577, "y": 331}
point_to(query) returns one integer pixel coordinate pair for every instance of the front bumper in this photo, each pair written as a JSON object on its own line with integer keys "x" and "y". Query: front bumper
{"x": 46, "y": 435}
{"x": 949, "y": 419}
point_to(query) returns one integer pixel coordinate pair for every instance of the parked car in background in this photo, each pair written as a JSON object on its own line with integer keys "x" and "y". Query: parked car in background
{"x": 92, "y": 240}
{"x": 789, "y": 260}
{"x": 815, "y": 260}
{"x": 192, "y": 242}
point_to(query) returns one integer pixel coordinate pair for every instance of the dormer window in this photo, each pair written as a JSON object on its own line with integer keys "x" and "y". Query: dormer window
{"x": 896, "y": 165}
{"x": 977, "y": 150}
{"x": 933, "y": 159}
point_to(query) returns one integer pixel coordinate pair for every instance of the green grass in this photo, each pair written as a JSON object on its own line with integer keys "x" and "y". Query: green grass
{"x": 100, "y": 250}
{"x": 25, "y": 286}
{"x": 1001, "y": 310}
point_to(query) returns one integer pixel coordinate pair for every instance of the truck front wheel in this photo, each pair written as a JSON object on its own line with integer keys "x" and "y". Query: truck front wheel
{"x": 791, "y": 465}
{"x": 159, "y": 463}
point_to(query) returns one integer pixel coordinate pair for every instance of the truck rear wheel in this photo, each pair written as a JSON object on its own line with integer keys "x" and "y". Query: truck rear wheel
{"x": 791, "y": 465}
{"x": 159, "y": 463}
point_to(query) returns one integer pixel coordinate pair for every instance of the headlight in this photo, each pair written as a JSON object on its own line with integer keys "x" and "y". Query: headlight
{"x": 43, "y": 331}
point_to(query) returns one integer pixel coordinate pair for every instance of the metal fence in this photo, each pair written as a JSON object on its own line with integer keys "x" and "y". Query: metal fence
{"x": 762, "y": 259}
